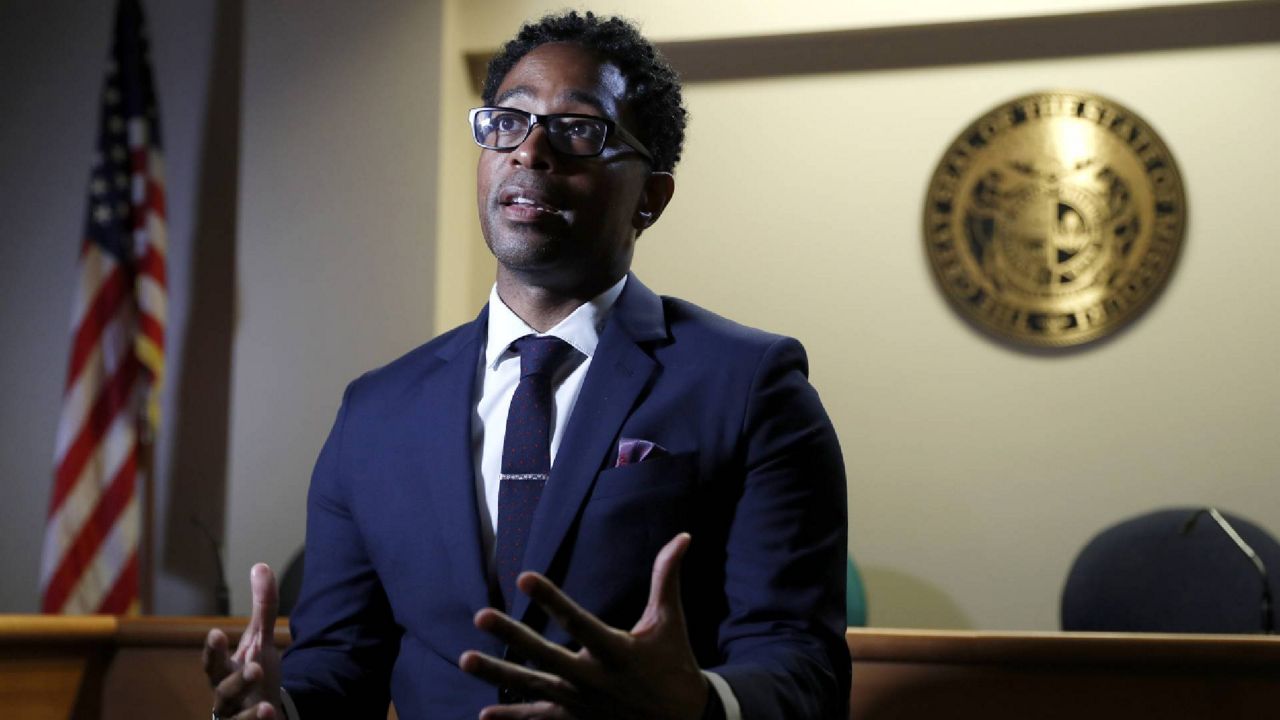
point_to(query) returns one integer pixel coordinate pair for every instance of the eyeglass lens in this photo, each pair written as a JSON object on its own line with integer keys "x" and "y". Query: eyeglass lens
{"x": 504, "y": 130}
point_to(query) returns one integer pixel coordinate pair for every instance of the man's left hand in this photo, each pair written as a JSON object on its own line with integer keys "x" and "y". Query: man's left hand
{"x": 649, "y": 672}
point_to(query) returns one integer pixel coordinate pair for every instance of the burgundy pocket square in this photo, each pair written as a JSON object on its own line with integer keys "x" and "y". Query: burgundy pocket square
{"x": 632, "y": 451}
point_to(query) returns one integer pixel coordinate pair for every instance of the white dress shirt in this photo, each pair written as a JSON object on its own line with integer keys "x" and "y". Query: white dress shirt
{"x": 496, "y": 381}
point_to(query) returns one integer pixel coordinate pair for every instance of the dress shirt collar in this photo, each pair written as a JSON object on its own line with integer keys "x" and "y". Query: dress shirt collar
{"x": 581, "y": 328}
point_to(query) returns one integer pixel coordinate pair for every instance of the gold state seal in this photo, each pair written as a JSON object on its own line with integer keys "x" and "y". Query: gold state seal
{"x": 1055, "y": 218}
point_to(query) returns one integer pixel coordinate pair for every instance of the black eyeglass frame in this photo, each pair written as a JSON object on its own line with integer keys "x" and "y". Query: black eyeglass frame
{"x": 611, "y": 128}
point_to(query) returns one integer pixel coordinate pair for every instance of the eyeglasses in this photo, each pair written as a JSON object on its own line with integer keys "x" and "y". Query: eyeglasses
{"x": 504, "y": 129}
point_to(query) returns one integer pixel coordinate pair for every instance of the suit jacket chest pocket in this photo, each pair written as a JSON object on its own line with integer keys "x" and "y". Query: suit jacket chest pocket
{"x": 635, "y": 509}
{"x": 660, "y": 476}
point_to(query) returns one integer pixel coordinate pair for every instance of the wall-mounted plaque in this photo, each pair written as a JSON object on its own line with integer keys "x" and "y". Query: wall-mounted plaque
{"x": 1054, "y": 219}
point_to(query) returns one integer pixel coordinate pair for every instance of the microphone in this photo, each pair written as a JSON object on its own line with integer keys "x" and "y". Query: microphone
{"x": 1268, "y": 622}
{"x": 221, "y": 594}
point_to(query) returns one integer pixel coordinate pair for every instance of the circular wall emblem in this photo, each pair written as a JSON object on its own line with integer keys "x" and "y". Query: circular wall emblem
{"x": 1055, "y": 218}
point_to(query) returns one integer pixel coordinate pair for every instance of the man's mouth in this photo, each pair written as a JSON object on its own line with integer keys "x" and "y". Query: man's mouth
{"x": 525, "y": 203}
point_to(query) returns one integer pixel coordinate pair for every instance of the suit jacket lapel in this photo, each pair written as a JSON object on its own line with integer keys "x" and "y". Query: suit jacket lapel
{"x": 620, "y": 370}
{"x": 444, "y": 417}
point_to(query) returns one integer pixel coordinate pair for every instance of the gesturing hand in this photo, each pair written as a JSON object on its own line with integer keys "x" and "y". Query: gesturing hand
{"x": 649, "y": 672}
{"x": 246, "y": 684}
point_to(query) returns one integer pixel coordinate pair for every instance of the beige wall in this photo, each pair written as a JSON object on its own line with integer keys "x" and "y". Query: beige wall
{"x": 976, "y": 471}
{"x": 337, "y": 205}
{"x": 489, "y": 24}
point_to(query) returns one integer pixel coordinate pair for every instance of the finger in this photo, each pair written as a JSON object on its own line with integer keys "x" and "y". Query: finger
{"x": 544, "y": 653}
{"x": 217, "y": 663}
{"x": 262, "y": 620}
{"x": 230, "y": 695}
{"x": 517, "y": 677}
{"x": 261, "y": 711}
{"x": 266, "y": 598}
{"x": 266, "y": 601}
{"x": 664, "y": 584}
{"x": 603, "y": 641}
{"x": 525, "y": 711}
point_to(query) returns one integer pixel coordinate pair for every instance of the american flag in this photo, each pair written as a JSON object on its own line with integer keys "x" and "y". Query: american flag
{"x": 110, "y": 408}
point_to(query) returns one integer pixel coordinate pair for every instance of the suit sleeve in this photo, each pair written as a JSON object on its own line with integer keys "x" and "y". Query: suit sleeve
{"x": 345, "y": 639}
{"x": 783, "y": 639}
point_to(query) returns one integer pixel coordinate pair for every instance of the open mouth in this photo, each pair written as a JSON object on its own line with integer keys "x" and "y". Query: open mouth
{"x": 524, "y": 202}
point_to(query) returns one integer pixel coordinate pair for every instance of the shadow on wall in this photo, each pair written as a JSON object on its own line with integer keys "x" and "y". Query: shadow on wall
{"x": 197, "y": 478}
{"x": 896, "y": 599}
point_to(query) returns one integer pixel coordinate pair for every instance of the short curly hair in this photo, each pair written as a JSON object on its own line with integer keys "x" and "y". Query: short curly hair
{"x": 653, "y": 86}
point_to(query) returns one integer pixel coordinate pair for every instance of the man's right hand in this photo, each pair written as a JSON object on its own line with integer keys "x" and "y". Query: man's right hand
{"x": 246, "y": 683}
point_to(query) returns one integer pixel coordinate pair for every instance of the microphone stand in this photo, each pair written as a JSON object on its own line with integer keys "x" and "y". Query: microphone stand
{"x": 221, "y": 594}
{"x": 1268, "y": 620}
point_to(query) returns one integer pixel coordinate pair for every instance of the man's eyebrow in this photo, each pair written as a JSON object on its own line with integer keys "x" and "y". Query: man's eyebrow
{"x": 586, "y": 98}
{"x": 519, "y": 90}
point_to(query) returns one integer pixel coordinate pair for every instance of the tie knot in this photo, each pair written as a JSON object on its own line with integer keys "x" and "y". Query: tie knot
{"x": 540, "y": 355}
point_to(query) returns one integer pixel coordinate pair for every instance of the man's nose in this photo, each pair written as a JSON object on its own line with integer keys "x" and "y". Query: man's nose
{"x": 535, "y": 151}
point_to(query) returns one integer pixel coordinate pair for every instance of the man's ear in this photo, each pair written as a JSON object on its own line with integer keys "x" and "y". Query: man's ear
{"x": 658, "y": 189}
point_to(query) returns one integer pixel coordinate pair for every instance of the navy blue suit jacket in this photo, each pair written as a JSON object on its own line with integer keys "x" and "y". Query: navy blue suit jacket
{"x": 394, "y": 567}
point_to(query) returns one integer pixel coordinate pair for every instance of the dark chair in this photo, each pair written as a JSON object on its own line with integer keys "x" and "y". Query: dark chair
{"x": 290, "y": 585}
{"x": 1153, "y": 573}
{"x": 855, "y": 604}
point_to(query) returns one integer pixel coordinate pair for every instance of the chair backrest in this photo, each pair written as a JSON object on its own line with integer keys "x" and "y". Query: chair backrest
{"x": 1145, "y": 575}
{"x": 291, "y": 584}
{"x": 855, "y": 603}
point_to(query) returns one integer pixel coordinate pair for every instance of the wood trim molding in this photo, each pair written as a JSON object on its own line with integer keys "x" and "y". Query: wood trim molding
{"x": 54, "y": 629}
{"x": 110, "y": 631}
{"x": 1210, "y": 24}
{"x": 1242, "y": 652}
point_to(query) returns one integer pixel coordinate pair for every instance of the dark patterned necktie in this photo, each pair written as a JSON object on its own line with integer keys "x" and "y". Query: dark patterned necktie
{"x": 526, "y": 453}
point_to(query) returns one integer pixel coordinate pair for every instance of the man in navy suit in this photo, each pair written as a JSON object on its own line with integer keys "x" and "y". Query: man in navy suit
{"x": 686, "y": 555}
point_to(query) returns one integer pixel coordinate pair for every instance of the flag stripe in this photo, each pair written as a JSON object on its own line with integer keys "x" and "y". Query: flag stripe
{"x": 122, "y": 594}
{"x": 111, "y": 294}
{"x": 78, "y": 399}
{"x": 113, "y": 399}
{"x": 156, "y": 199}
{"x": 79, "y": 504}
{"x": 111, "y": 353}
{"x": 151, "y": 298}
{"x": 152, "y": 329}
{"x": 93, "y": 272}
{"x": 97, "y": 580}
{"x": 80, "y": 553}
{"x": 152, "y": 266}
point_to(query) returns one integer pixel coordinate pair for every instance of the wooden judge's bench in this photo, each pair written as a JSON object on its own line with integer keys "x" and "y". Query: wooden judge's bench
{"x": 107, "y": 667}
